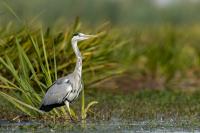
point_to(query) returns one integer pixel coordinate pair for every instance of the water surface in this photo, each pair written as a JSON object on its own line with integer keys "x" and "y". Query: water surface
{"x": 114, "y": 125}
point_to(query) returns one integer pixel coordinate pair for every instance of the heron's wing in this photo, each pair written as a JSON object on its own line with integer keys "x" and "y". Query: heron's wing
{"x": 56, "y": 94}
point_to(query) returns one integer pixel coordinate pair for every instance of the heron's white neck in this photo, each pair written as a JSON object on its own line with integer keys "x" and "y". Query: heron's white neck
{"x": 78, "y": 68}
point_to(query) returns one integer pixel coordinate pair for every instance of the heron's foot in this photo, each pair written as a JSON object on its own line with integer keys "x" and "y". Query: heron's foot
{"x": 73, "y": 116}
{"x": 73, "y": 119}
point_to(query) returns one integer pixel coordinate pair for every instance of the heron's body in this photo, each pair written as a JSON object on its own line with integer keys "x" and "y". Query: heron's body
{"x": 66, "y": 89}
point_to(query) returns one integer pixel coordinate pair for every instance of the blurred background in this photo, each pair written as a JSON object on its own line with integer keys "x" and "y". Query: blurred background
{"x": 158, "y": 39}
{"x": 122, "y": 12}
{"x": 142, "y": 45}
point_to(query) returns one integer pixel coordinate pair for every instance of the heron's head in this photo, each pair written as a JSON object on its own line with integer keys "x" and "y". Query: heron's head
{"x": 81, "y": 36}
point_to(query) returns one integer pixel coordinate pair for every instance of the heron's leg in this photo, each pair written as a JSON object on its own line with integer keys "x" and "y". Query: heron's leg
{"x": 71, "y": 113}
{"x": 68, "y": 108}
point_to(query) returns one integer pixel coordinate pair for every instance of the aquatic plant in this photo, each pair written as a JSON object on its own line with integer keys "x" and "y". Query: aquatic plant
{"x": 33, "y": 60}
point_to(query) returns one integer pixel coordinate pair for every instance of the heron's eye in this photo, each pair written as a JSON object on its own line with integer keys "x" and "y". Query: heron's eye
{"x": 76, "y": 34}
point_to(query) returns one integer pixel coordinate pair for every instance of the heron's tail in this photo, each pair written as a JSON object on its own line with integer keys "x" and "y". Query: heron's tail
{"x": 48, "y": 108}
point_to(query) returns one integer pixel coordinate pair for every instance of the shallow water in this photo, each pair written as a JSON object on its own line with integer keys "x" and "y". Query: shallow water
{"x": 114, "y": 125}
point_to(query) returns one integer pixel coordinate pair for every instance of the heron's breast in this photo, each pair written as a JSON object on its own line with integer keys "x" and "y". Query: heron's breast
{"x": 77, "y": 83}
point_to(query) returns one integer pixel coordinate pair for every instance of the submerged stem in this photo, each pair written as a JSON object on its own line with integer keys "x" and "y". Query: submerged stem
{"x": 83, "y": 115}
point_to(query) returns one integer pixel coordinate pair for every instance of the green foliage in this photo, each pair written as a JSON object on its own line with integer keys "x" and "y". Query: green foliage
{"x": 31, "y": 60}
{"x": 164, "y": 52}
{"x": 83, "y": 109}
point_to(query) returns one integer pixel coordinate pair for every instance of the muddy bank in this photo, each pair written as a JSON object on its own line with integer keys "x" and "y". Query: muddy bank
{"x": 137, "y": 105}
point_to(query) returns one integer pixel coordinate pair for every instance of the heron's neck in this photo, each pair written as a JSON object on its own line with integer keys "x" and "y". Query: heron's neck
{"x": 78, "y": 68}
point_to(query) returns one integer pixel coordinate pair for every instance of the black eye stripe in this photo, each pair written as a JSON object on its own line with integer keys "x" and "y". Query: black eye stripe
{"x": 76, "y": 34}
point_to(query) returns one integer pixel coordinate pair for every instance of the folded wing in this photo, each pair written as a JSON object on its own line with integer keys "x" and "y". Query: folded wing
{"x": 56, "y": 94}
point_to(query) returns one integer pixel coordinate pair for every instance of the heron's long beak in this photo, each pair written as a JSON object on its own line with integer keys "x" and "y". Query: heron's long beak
{"x": 90, "y": 36}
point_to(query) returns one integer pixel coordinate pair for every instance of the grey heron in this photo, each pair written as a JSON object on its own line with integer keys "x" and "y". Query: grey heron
{"x": 66, "y": 89}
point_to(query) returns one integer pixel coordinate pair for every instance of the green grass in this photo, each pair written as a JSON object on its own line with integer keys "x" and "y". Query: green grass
{"x": 33, "y": 61}
{"x": 33, "y": 57}
{"x": 146, "y": 105}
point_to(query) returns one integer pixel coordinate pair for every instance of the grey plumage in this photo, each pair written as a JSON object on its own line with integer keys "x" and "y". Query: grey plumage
{"x": 66, "y": 89}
